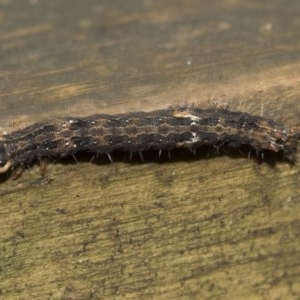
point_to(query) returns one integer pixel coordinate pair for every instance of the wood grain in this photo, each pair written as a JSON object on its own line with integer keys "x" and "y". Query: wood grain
{"x": 218, "y": 228}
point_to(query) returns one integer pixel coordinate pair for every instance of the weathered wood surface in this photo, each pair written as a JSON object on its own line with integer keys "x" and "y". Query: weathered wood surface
{"x": 219, "y": 228}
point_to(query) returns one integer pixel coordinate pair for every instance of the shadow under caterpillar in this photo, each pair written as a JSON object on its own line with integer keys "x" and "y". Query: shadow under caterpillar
{"x": 167, "y": 129}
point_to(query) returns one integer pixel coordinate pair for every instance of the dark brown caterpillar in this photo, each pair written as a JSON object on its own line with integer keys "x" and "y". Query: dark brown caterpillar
{"x": 183, "y": 127}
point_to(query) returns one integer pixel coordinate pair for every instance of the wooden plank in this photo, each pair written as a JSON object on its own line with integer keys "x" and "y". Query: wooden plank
{"x": 219, "y": 228}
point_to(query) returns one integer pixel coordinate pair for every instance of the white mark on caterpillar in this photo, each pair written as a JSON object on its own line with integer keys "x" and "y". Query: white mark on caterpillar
{"x": 188, "y": 116}
{"x": 6, "y": 167}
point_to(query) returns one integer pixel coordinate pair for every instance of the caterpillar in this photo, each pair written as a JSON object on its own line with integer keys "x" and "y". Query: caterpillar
{"x": 166, "y": 129}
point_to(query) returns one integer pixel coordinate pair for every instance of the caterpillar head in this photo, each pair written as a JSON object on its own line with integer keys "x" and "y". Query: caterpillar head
{"x": 5, "y": 163}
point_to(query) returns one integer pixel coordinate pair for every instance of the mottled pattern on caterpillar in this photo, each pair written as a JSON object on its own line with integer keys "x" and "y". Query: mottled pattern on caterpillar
{"x": 183, "y": 127}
